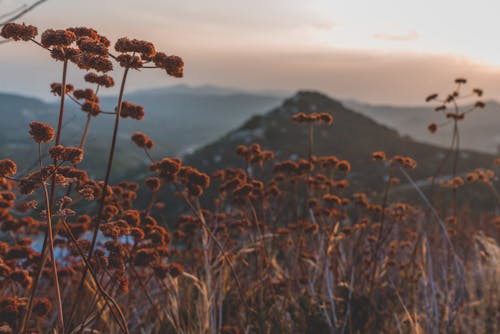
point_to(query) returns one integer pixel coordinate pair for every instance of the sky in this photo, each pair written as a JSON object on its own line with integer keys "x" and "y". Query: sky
{"x": 384, "y": 51}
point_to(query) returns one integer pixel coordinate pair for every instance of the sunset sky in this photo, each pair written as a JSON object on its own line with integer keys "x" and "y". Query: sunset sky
{"x": 385, "y": 51}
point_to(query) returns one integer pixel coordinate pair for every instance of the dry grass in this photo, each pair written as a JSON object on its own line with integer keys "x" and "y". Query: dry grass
{"x": 293, "y": 251}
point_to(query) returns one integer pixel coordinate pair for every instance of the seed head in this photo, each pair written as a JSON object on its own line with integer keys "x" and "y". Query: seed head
{"x": 41, "y": 132}
{"x": 431, "y": 97}
{"x": 55, "y": 88}
{"x": 87, "y": 61}
{"x": 141, "y": 140}
{"x": 432, "y": 127}
{"x": 7, "y": 167}
{"x": 87, "y": 44}
{"x": 18, "y": 32}
{"x": 131, "y": 110}
{"x": 101, "y": 80}
{"x": 378, "y": 155}
{"x": 174, "y": 65}
{"x": 52, "y": 37}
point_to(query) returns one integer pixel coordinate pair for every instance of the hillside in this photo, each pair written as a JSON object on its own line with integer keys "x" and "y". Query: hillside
{"x": 478, "y": 132}
{"x": 352, "y": 136}
{"x": 180, "y": 118}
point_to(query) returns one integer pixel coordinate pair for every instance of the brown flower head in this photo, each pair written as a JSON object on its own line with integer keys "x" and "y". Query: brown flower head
{"x": 87, "y": 94}
{"x": 131, "y": 110}
{"x": 130, "y": 61}
{"x": 87, "y": 44}
{"x": 22, "y": 277}
{"x": 326, "y": 118}
{"x": 431, "y": 97}
{"x": 41, "y": 307}
{"x": 52, "y": 37}
{"x": 18, "y": 32}
{"x": 153, "y": 183}
{"x": 145, "y": 48}
{"x": 56, "y": 88}
{"x": 65, "y": 53}
{"x": 480, "y": 104}
{"x": 84, "y": 32}
{"x": 141, "y": 140}
{"x": 300, "y": 118}
{"x": 41, "y": 132}
{"x": 73, "y": 155}
{"x": 175, "y": 269}
{"x": 7, "y": 167}
{"x": 101, "y": 80}
{"x": 432, "y": 127}
{"x": 478, "y": 92}
{"x": 93, "y": 108}
{"x": 378, "y": 155}
{"x": 174, "y": 65}
{"x": 343, "y": 166}
{"x": 87, "y": 61}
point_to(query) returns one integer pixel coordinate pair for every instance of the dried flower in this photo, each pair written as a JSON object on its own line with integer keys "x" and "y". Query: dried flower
{"x": 101, "y": 80}
{"x": 172, "y": 64}
{"x": 432, "y": 127}
{"x": 131, "y": 110}
{"x": 146, "y": 49}
{"x": 343, "y": 166}
{"x": 480, "y": 104}
{"x": 87, "y": 44}
{"x": 52, "y": 37}
{"x": 326, "y": 118}
{"x": 478, "y": 92}
{"x": 378, "y": 155}
{"x": 7, "y": 167}
{"x": 85, "y": 32}
{"x": 56, "y": 88}
{"x": 18, "y": 32}
{"x": 73, "y": 155}
{"x": 141, "y": 140}
{"x": 41, "y": 132}
{"x": 93, "y": 108}
{"x": 130, "y": 61}
{"x": 175, "y": 270}
{"x": 41, "y": 307}
{"x": 87, "y": 61}
{"x": 153, "y": 183}
{"x": 431, "y": 97}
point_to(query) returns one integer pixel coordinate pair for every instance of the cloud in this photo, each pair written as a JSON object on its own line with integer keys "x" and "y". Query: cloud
{"x": 409, "y": 36}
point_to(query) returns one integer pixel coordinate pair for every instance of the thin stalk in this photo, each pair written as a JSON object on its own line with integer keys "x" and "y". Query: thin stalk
{"x": 109, "y": 300}
{"x": 51, "y": 245}
{"x": 43, "y": 253}
{"x": 110, "y": 164}
{"x": 104, "y": 192}
{"x": 85, "y": 131}
{"x": 378, "y": 243}
{"x": 311, "y": 140}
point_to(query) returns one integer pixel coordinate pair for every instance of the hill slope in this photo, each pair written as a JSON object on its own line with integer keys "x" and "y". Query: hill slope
{"x": 352, "y": 136}
{"x": 478, "y": 132}
{"x": 179, "y": 118}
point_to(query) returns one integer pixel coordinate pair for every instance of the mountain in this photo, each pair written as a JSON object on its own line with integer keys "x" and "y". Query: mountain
{"x": 352, "y": 136}
{"x": 479, "y": 131}
{"x": 178, "y": 118}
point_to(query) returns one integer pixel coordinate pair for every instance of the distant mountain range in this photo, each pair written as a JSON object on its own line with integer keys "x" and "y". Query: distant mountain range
{"x": 178, "y": 118}
{"x": 479, "y": 131}
{"x": 352, "y": 136}
{"x": 183, "y": 119}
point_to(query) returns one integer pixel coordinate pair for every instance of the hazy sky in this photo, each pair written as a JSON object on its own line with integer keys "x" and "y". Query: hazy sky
{"x": 384, "y": 51}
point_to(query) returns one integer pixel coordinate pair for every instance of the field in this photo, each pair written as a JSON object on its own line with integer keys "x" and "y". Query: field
{"x": 272, "y": 244}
